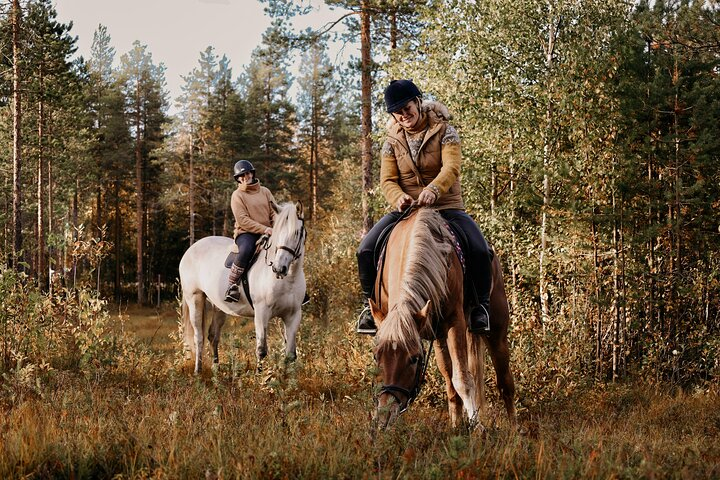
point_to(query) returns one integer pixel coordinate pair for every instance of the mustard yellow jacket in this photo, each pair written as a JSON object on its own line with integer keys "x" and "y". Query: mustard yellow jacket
{"x": 437, "y": 166}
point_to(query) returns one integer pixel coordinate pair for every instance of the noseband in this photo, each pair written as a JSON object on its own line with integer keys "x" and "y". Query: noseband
{"x": 410, "y": 395}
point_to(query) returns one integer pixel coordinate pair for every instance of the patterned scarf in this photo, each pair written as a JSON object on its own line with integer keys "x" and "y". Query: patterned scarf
{"x": 415, "y": 136}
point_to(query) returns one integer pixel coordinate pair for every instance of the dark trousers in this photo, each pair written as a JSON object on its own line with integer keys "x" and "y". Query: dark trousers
{"x": 246, "y": 247}
{"x": 477, "y": 260}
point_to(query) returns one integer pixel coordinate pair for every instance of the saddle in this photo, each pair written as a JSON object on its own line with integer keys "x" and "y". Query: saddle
{"x": 259, "y": 247}
{"x": 459, "y": 242}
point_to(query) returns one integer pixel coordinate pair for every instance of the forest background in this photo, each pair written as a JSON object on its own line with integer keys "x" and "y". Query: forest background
{"x": 591, "y": 148}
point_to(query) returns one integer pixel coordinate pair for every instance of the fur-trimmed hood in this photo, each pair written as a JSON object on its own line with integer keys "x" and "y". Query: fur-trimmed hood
{"x": 427, "y": 106}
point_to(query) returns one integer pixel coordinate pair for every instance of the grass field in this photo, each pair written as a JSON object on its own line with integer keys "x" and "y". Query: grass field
{"x": 149, "y": 417}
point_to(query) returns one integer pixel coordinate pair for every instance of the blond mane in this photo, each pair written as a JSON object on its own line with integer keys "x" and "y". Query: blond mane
{"x": 286, "y": 218}
{"x": 424, "y": 278}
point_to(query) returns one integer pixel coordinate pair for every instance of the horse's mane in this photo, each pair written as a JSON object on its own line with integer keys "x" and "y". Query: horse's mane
{"x": 286, "y": 218}
{"x": 424, "y": 278}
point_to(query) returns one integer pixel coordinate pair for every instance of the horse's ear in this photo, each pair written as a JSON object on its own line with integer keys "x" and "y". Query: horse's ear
{"x": 300, "y": 209}
{"x": 423, "y": 314}
{"x": 376, "y": 311}
{"x": 275, "y": 207}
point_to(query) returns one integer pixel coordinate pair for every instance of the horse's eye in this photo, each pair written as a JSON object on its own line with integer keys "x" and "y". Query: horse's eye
{"x": 414, "y": 359}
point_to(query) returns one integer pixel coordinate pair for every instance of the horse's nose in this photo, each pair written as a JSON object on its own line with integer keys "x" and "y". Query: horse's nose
{"x": 280, "y": 272}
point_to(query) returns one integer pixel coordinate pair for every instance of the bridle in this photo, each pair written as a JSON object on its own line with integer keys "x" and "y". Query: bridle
{"x": 295, "y": 252}
{"x": 411, "y": 394}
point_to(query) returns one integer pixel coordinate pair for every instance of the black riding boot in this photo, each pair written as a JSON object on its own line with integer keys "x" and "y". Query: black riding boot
{"x": 232, "y": 295}
{"x": 482, "y": 282}
{"x": 367, "y": 270}
{"x": 366, "y": 273}
{"x": 365, "y": 321}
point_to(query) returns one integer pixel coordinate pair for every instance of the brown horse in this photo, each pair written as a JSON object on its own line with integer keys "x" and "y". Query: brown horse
{"x": 419, "y": 295}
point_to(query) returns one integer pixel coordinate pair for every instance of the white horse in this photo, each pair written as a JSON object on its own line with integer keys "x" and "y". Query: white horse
{"x": 276, "y": 280}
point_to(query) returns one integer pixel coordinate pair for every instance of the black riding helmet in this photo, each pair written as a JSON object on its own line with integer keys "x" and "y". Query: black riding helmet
{"x": 241, "y": 168}
{"x": 399, "y": 93}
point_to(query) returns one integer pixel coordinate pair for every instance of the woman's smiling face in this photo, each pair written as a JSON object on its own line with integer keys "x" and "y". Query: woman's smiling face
{"x": 246, "y": 178}
{"x": 408, "y": 115}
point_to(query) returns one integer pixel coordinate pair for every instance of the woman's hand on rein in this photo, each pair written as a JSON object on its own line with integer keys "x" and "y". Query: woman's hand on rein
{"x": 404, "y": 203}
{"x": 426, "y": 197}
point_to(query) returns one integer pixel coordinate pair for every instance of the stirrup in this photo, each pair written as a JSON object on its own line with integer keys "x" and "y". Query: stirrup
{"x": 366, "y": 323}
{"x": 233, "y": 294}
{"x": 479, "y": 321}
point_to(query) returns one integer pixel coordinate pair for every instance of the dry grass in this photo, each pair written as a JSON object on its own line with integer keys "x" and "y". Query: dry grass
{"x": 311, "y": 419}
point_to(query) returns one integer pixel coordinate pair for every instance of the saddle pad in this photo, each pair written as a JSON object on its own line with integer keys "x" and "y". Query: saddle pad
{"x": 459, "y": 248}
{"x": 230, "y": 259}
{"x": 458, "y": 237}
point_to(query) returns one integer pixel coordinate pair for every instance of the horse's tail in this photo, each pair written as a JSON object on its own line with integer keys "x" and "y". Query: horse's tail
{"x": 476, "y": 365}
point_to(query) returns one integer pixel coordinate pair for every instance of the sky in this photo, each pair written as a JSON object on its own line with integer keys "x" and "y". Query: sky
{"x": 176, "y": 31}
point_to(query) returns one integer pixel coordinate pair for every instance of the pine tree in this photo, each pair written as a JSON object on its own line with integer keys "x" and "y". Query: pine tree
{"x": 270, "y": 115}
{"x": 112, "y": 151}
{"x": 17, "y": 243}
{"x": 315, "y": 82}
{"x": 143, "y": 87}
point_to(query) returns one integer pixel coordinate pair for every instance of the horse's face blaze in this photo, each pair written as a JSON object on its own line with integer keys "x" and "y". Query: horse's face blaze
{"x": 289, "y": 247}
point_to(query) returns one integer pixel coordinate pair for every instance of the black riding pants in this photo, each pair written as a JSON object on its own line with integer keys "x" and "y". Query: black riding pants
{"x": 477, "y": 262}
{"x": 246, "y": 247}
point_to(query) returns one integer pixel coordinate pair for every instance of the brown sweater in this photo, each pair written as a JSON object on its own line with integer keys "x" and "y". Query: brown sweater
{"x": 252, "y": 207}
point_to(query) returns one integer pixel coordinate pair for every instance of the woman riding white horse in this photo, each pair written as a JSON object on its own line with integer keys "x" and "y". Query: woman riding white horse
{"x": 276, "y": 284}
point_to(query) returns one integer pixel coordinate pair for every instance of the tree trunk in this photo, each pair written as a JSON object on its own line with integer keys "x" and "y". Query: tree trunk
{"x": 314, "y": 167}
{"x": 118, "y": 244}
{"x": 139, "y": 200}
{"x": 547, "y": 153}
{"x": 596, "y": 290}
{"x": 393, "y": 29}
{"x": 513, "y": 227}
{"x": 16, "y": 259}
{"x": 191, "y": 193}
{"x": 74, "y": 221}
{"x": 41, "y": 254}
{"x": 677, "y": 272}
{"x": 650, "y": 302}
{"x": 616, "y": 295}
{"x": 366, "y": 115}
{"x": 53, "y": 264}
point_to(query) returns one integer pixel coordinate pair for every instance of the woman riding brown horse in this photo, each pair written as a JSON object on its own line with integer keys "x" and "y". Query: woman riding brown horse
{"x": 419, "y": 296}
